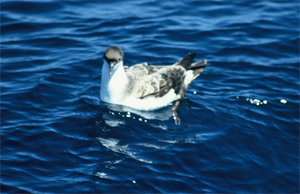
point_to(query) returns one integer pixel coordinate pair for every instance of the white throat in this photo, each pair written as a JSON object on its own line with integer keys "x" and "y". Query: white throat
{"x": 113, "y": 83}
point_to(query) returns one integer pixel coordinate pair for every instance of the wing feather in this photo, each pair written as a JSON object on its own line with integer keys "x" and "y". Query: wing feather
{"x": 155, "y": 80}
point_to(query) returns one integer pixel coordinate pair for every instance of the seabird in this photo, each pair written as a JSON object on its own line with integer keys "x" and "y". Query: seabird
{"x": 146, "y": 87}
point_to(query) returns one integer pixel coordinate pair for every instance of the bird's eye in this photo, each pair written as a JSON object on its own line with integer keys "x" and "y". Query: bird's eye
{"x": 120, "y": 59}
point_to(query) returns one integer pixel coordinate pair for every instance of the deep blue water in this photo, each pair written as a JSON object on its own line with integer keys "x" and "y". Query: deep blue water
{"x": 240, "y": 120}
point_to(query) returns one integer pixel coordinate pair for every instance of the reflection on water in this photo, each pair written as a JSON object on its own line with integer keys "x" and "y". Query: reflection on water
{"x": 162, "y": 114}
{"x": 120, "y": 115}
{"x": 113, "y": 145}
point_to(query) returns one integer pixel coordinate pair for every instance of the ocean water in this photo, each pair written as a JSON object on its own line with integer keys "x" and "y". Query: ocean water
{"x": 239, "y": 129}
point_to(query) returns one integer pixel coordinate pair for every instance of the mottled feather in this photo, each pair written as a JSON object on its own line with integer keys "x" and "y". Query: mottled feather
{"x": 157, "y": 81}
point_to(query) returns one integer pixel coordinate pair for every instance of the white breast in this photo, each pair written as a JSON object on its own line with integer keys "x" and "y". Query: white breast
{"x": 113, "y": 86}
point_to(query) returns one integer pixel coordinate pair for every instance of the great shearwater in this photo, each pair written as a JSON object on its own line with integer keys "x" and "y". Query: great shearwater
{"x": 146, "y": 87}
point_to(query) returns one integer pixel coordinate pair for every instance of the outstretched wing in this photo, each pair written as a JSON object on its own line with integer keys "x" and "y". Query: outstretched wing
{"x": 155, "y": 80}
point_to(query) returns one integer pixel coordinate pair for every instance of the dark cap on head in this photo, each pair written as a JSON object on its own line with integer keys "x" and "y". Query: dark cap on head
{"x": 113, "y": 55}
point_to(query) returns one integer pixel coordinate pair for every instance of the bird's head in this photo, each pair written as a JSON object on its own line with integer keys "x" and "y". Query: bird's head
{"x": 113, "y": 57}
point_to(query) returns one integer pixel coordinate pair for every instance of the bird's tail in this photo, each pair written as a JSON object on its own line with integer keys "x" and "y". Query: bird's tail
{"x": 198, "y": 67}
{"x": 186, "y": 61}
